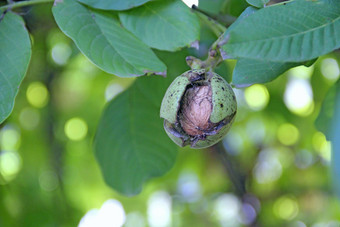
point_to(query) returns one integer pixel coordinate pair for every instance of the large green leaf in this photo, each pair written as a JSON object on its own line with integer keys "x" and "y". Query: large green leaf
{"x": 165, "y": 25}
{"x": 115, "y": 4}
{"x": 100, "y": 37}
{"x": 250, "y": 71}
{"x": 15, "y": 54}
{"x": 131, "y": 145}
{"x": 292, "y": 31}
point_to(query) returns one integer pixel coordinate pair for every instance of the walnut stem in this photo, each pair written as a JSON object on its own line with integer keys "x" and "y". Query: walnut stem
{"x": 237, "y": 178}
{"x": 230, "y": 164}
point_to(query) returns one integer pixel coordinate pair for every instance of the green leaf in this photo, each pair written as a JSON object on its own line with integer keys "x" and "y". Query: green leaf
{"x": 15, "y": 54}
{"x": 324, "y": 120}
{"x": 258, "y": 3}
{"x": 329, "y": 123}
{"x": 164, "y": 25}
{"x": 131, "y": 145}
{"x": 115, "y": 4}
{"x": 100, "y": 37}
{"x": 293, "y": 31}
{"x": 246, "y": 13}
{"x": 250, "y": 71}
{"x": 336, "y": 148}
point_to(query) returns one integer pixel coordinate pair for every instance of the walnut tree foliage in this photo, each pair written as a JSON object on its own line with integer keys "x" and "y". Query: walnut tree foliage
{"x": 147, "y": 40}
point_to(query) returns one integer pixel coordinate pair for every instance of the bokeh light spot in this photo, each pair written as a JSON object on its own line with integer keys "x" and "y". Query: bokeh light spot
{"x": 257, "y": 96}
{"x": 10, "y": 165}
{"x": 330, "y": 69}
{"x": 286, "y": 208}
{"x": 322, "y": 146}
{"x": 230, "y": 213}
{"x": 288, "y": 134}
{"x": 298, "y": 96}
{"x": 29, "y": 118}
{"x": 48, "y": 181}
{"x": 9, "y": 138}
{"x": 61, "y": 52}
{"x": 159, "y": 209}
{"x": 37, "y": 94}
{"x": 75, "y": 129}
{"x": 111, "y": 214}
{"x": 268, "y": 167}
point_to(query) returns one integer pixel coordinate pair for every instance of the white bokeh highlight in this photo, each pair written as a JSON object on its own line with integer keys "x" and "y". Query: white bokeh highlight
{"x": 111, "y": 214}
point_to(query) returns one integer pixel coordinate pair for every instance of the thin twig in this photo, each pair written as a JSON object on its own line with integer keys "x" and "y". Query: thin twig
{"x": 14, "y": 5}
{"x": 210, "y": 20}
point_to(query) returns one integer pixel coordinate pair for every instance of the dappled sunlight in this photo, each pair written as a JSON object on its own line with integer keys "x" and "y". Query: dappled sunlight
{"x": 75, "y": 129}
{"x": 268, "y": 167}
{"x": 298, "y": 96}
{"x": 322, "y": 146}
{"x": 10, "y": 138}
{"x": 257, "y": 96}
{"x": 227, "y": 209}
{"x": 60, "y": 53}
{"x": 330, "y": 69}
{"x": 37, "y": 94}
{"x": 189, "y": 187}
{"x": 111, "y": 214}
{"x": 288, "y": 134}
{"x": 48, "y": 180}
{"x": 286, "y": 207}
{"x": 159, "y": 209}
{"x": 29, "y": 118}
{"x": 10, "y": 165}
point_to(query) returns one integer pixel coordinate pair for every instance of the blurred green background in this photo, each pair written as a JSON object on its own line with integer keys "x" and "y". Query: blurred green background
{"x": 49, "y": 176}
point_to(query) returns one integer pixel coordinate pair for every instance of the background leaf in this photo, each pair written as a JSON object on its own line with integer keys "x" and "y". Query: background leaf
{"x": 292, "y": 31}
{"x": 114, "y": 5}
{"x": 324, "y": 120}
{"x": 164, "y": 25}
{"x": 15, "y": 54}
{"x": 335, "y": 138}
{"x": 250, "y": 71}
{"x": 131, "y": 145}
{"x": 100, "y": 37}
{"x": 258, "y": 3}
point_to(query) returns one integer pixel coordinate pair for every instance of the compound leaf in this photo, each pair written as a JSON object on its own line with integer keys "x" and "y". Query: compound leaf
{"x": 100, "y": 37}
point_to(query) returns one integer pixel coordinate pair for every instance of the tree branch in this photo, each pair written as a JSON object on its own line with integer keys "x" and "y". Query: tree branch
{"x": 14, "y": 5}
